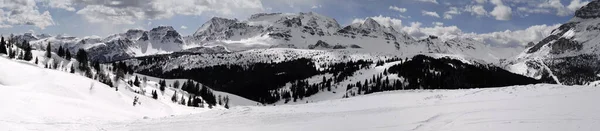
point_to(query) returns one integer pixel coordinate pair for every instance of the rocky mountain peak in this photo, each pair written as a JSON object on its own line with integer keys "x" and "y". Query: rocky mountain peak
{"x": 370, "y": 24}
{"x": 215, "y": 24}
{"x": 162, "y": 28}
{"x": 589, "y": 11}
{"x": 256, "y": 16}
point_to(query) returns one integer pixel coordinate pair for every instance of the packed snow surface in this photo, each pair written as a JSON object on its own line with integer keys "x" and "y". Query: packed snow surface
{"x": 516, "y": 108}
{"x": 34, "y": 98}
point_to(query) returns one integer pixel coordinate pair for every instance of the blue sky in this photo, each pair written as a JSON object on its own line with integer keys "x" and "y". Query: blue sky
{"x": 441, "y": 17}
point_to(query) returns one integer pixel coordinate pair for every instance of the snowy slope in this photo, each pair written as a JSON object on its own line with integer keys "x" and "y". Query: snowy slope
{"x": 533, "y": 107}
{"x": 340, "y": 89}
{"x": 234, "y": 100}
{"x": 42, "y": 99}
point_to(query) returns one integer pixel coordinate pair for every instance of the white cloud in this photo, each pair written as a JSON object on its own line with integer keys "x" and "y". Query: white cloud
{"x": 60, "y": 4}
{"x": 562, "y": 10}
{"x": 100, "y": 13}
{"x": 444, "y": 32}
{"x": 501, "y": 11}
{"x": 430, "y": 13}
{"x": 508, "y": 38}
{"x": 515, "y": 38}
{"x": 414, "y": 30}
{"x": 429, "y": 1}
{"x": 453, "y": 11}
{"x": 23, "y": 12}
{"x": 27, "y": 12}
{"x": 533, "y": 10}
{"x": 131, "y": 11}
{"x": 316, "y": 6}
{"x": 476, "y": 10}
{"x": 401, "y": 10}
{"x": 183, "y": 27}
{"x": 576, "y": 4}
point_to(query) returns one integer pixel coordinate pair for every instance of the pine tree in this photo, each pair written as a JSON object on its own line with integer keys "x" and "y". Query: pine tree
{"x": 176, "y": 84}
{"x": 3, "y": 46}
{"x": 72, "y": 68}
{"x": 82, "y": 57}
{"x": 12, "y": 53}
{"x": 182, "y": 100}
{"x": 220, "y": 101}
{"x": 174, "y": 98}
{"x": 28, "y": 56}
{"x": 226, "y": 100}
{"x": 163, "y": 85}
{"x": 154, "y": 94}
{"x": 68, "y": 55}
{"x": 96, "y": 66}
{"x": 48, "y": 50}
{"x": 61, "y": 52}
{"x": 136, "y": 81}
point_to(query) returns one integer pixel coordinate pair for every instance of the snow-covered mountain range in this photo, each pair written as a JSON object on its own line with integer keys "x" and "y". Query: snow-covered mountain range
{"x": 272, "y": 30}
{"x": 570, "y": 54}
{"x": 134, "y": 42}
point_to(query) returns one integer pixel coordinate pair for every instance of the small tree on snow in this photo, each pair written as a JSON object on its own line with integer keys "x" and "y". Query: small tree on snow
{"x": 49, "y": 50}
{"x": 72, "y": 67}
{"x": 176, "y": 84}
{"x": 174, "y": 98}
{"x": 67, "y": 54}
{"x": 226, "y": 100}
{"x": 182, "y": 100}
{"x": 60, "y": 52}
{"x": 162, "y": 84}
{"x": 3, "y": 46}
{"x": 136, "y": 82}
{"x": 27, "y": 56}
{"x": 154, "y": 94}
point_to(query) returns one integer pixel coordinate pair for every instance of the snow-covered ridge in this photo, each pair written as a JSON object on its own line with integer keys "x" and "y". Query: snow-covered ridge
{"x": 315, "y": 31}
{"x": 134, "y": 42}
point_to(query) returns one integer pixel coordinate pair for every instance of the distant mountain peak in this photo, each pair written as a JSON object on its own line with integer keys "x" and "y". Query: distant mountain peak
{"x": 371, "y": 24}
{"x": 214, "y": 24}
{"x": 162, "y": 27}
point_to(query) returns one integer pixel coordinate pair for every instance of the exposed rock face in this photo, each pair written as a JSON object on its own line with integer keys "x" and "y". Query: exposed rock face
{"x": 570, "y": 53}
{"x": 320, "y": 45}
{"x": 591, "y": 10}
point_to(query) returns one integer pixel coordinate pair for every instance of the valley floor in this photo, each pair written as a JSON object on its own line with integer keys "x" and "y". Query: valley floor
{"x": 526, "y": 108}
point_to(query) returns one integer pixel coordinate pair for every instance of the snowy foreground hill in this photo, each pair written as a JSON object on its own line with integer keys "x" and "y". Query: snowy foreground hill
{"x": 516, "y": 108}
{"x": 34, "y": 98}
